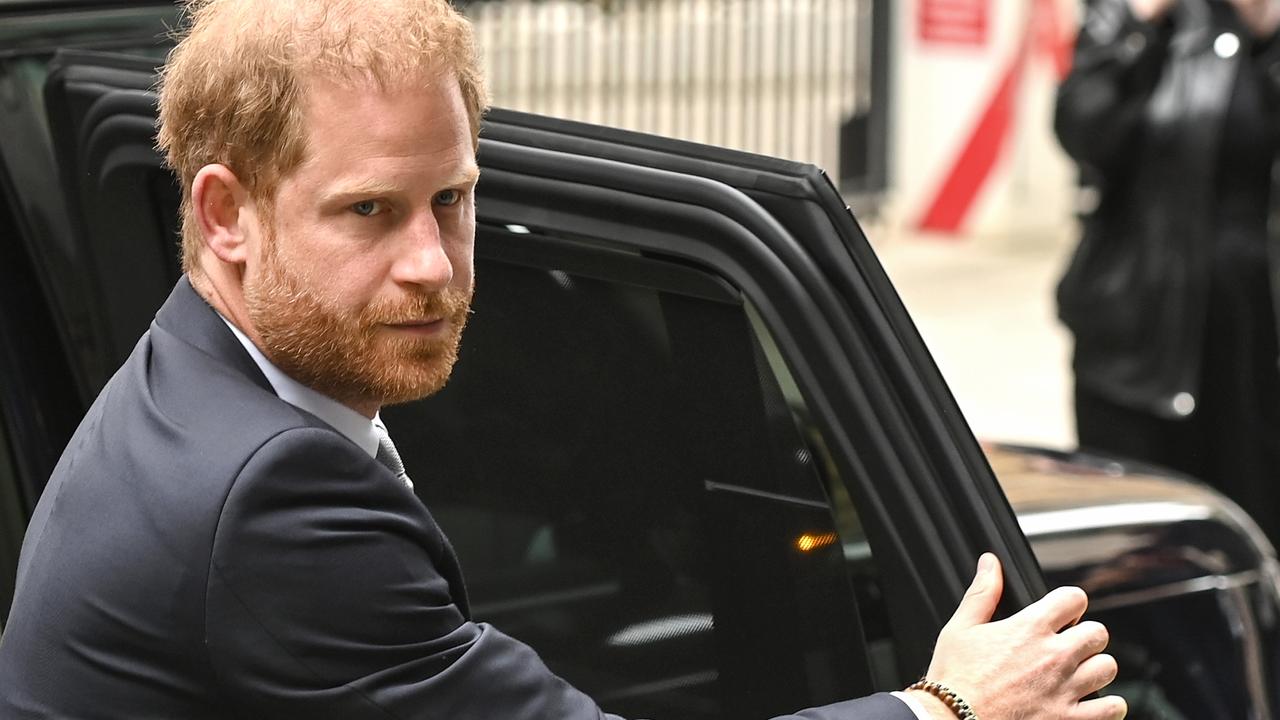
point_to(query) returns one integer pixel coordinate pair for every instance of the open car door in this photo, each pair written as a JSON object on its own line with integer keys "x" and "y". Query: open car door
{"x": 694, "y": 451}
{"x": 787, "y": 252}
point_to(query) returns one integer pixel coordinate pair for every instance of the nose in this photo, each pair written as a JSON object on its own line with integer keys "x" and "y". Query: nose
{"x": 422, "y": 258}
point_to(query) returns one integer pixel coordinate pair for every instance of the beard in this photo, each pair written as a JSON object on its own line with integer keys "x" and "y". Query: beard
{"x": 349, "y": 355}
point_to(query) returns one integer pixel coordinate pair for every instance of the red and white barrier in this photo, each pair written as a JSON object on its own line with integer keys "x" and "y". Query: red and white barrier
{"x": 973, "y": 151}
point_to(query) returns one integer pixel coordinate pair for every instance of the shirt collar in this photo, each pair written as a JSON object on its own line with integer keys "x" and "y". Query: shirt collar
{"x": 351, "y": 424}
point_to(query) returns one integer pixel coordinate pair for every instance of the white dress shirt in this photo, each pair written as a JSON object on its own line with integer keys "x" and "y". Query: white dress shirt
{"x": 351, "y": 424}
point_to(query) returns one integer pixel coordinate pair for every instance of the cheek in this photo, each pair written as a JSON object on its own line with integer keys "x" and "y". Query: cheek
{"x": 343, "y": 282}
{"x": 352, "y": 286}
{"x": 322, "y": 252}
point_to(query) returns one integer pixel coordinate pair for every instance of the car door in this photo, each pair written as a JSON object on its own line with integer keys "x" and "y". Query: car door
{"x": 695, "y": 451}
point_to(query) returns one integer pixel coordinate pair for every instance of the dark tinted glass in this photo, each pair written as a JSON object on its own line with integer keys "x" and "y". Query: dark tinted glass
{"x": 620, "y": 472}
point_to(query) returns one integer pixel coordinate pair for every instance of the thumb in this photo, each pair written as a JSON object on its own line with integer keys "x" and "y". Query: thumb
{"x": 980, "y": 600}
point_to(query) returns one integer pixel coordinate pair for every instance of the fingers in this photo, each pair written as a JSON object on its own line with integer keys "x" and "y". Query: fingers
{"x": 1058, "y": 609}
{"x": 1086, "y": 639}
{"x": 1094, "y": 674}
{"x": 1111, "y": 707}
{"x": 980, "y": 600}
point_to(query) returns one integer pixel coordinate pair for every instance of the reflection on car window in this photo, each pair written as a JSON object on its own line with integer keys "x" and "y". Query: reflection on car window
{"x": 629, "y": 493}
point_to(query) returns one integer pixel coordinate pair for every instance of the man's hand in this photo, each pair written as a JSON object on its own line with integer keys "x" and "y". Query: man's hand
{"x": 1150, "y": 10}
{"x": 1035, "y": 665}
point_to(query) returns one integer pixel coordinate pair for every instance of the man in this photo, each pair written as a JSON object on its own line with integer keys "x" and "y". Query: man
{"x": 229, "y": 533}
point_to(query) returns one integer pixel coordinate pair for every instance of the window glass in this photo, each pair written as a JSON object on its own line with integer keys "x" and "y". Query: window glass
{"x": 625, "y": 482}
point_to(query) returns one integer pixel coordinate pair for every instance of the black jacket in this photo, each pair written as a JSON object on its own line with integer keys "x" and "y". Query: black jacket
{"x": 1142, "y": 113}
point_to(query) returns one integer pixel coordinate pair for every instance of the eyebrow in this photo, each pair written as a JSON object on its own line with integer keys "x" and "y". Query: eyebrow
{"x": 468, "y": 175}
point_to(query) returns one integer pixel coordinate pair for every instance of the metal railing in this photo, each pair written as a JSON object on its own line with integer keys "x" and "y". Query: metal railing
{"x": 778, "y": 77}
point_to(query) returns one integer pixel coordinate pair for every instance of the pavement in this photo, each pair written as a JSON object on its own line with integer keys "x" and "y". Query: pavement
{"x": 985, "y": 308}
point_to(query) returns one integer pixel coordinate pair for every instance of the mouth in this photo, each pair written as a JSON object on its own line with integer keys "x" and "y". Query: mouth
{"x": 420, "y": 328}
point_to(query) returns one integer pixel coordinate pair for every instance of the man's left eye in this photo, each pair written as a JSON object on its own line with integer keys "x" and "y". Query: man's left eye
{"x": 448, "y": 197}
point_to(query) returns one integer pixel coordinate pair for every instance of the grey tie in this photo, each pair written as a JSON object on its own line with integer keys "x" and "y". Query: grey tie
{"x": 389, "y": 456}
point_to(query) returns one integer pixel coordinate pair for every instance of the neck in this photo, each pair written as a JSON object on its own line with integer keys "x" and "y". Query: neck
{"x": 367, "y": 409}
{"x": 230, "y": 305}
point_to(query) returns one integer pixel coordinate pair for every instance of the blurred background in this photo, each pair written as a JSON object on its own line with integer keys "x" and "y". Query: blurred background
{"x": 932, "y": 116}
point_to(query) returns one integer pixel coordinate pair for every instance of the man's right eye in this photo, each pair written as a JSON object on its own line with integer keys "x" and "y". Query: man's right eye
{"x": 368, "y": 208}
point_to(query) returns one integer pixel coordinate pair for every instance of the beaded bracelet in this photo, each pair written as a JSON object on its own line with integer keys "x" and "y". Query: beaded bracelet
{"x": 947, "y": 696}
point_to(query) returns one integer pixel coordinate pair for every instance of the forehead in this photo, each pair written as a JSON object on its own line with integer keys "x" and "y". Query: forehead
{"x": 356, "y": 127}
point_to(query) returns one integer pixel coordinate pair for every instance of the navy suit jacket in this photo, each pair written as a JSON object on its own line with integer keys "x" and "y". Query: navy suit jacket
{"x": 206, "y": 550}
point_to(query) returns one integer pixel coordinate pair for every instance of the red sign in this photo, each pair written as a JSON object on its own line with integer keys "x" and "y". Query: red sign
{"x": 953, "y": 22}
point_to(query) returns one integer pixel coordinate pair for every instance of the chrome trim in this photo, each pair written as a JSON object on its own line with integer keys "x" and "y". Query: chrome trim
{"x": 1251, "y": 643}
{"x": 1095, "y": 517}
{"x": 713, "y": 486}
{"x": 1208, "y": 583}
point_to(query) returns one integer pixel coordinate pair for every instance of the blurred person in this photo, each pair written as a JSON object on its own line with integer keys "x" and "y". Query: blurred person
{"x": 230, "y": 533}
{"x": 1171, "y": 111}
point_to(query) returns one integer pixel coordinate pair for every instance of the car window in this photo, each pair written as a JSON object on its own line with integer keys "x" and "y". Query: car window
{"x": 625, "y": 482}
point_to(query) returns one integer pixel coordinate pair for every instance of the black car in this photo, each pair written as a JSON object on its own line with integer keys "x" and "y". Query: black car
{"x": 694, "y": 451}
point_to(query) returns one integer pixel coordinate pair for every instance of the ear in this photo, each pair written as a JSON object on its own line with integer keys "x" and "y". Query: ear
{"x": 218, "y": 200}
